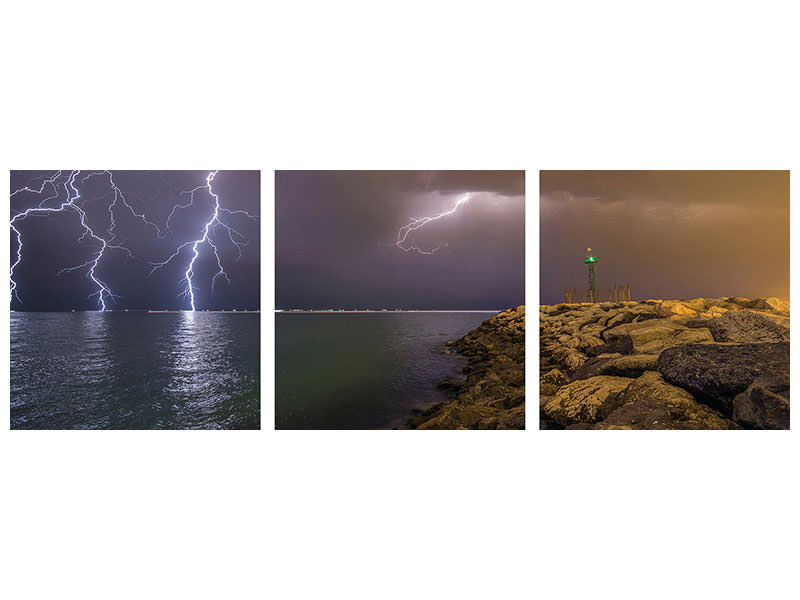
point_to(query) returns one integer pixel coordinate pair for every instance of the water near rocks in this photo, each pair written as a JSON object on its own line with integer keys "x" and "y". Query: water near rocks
{"x": 363, "y": 371}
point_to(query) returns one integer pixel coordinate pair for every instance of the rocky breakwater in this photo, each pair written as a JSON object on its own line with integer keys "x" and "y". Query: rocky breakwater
{"x": 707, "y": 363}
{"x": 493, "y": 394}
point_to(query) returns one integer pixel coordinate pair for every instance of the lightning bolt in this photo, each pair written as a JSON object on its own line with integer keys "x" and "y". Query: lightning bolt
{"x": 52, "y": 187}
{"x": 65, "y": 189}
{"x": 208, "y": 232}
{"x": 415, "y": 224}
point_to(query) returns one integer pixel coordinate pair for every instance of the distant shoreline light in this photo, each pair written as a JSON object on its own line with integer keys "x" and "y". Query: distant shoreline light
{"x": 383, "y": 310}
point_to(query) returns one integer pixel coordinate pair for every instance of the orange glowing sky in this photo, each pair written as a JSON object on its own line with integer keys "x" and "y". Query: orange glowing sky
{"x": 670, "y": 234}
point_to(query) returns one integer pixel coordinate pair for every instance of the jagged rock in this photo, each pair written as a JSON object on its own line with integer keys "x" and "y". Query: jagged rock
{"x": 574, "y": 360}
{"x": 551, "y": 381}
{"x": 781, "y": 320}
{"x": 587, "y": 341}
{"x": 744, "y": 326}
{"x": 593, "y": 366}
{"x": 678, "y": 308}
{"x": 544, "y": 421}
{"x": 764, "y": 404}
{"x": 619, "y": 319}
{"x": 493, "y": 394}
{"x": 617, "y": 345}
{"x": 695, "y": 323}
{"x": 714, "y": 311}
{"x": 632, "y": 365}
{"x": 585, "y": 401}
{"x": 630, "y": 314}
{"x": 651, "y": 337}
{"x": 577, "y": 339}
{"x": 715, "y": 373}
{"x": 556, "y": 309}
{"x": 651, "y": 403}
{"x": 770, "y": 304}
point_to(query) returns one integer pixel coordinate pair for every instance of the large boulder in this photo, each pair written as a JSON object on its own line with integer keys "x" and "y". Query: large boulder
{"x": 585, "y": 401}
{"x": 744, "y": 326}
{"x": 618, "y": 345}
{"x": 764, "y": 404}
{"x": 652, "y": 339}
{"x": 651, "y": 403}
{"x": 632, "y": 365}
{"x": 593, "y": 366}
{"x": 680, "y": 308}
{"x": 630, "y": 315}
{"x": 775, "y": 305}
{"x": 653, "y": 336}
{"x": 715, "y": 373}
{"x": 569, "y": 358}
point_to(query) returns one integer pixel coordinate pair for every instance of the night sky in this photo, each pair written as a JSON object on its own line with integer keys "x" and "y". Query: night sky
{"x": 50, "y": 243}
{"x": 670, "y": 234}
{"x": 335, "y": 233}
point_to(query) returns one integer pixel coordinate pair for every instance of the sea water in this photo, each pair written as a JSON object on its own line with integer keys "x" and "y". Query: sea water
{"x": 134, "y": 370}
{"x": 363, "y": 370}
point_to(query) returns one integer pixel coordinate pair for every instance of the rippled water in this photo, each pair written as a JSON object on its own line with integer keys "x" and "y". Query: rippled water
{"x": 362, "y": 371}
{"x": 134, "y": 370}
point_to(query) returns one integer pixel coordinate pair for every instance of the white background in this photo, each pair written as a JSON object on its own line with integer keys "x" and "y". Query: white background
{"x": 412, "y": 85}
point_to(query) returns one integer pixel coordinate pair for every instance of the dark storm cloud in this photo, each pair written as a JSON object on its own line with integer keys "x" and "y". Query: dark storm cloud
{"x": 335, "y": 230}
{"x": 670, "y": 234}
{"x": 50, "y": 243}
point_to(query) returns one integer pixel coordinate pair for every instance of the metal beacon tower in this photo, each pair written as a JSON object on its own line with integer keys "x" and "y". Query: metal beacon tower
{"x": 591, "y": 261}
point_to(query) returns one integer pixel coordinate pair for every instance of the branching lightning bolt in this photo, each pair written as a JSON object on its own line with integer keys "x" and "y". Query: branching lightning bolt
{"x": 208, "y": 230}
{"x": 64, "y": 188}
{"x": 415, "y": 224}
{"x": 69, "y": 204}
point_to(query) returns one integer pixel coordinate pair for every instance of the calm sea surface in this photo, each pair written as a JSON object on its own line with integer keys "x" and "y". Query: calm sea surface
{"x": 362, "y": 371}
{"x": 134, "y": 370}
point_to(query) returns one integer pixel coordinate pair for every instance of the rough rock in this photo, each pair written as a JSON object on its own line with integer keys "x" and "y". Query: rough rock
{"x": 774, "y": 305}
{"x": 593, "y": 366}
{"x": 493, "y": 395}
{"x": 651, "y": 337}
{"x": 712, "y": 312}
{"x": 764, "y": 404}
{"x": 585, "y": 401}
{"x": 630, "y": 315}
{"x": 651, "y": 403}
{"x": 632, "y": 365}
{"x": 579, "y": 339}
{"x": 745, "y": 326}
{"x": 715, "y": 373}
{"x": 618, "y": 345}
{"x": 574, "y": 360}
{"x": 551, "y": 381}
{"x": 670, "y": 308}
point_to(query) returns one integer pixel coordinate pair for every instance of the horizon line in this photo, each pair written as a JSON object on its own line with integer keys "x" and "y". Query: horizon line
{"x": 382, "y": 310}
{"x": 171, "y": 310}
